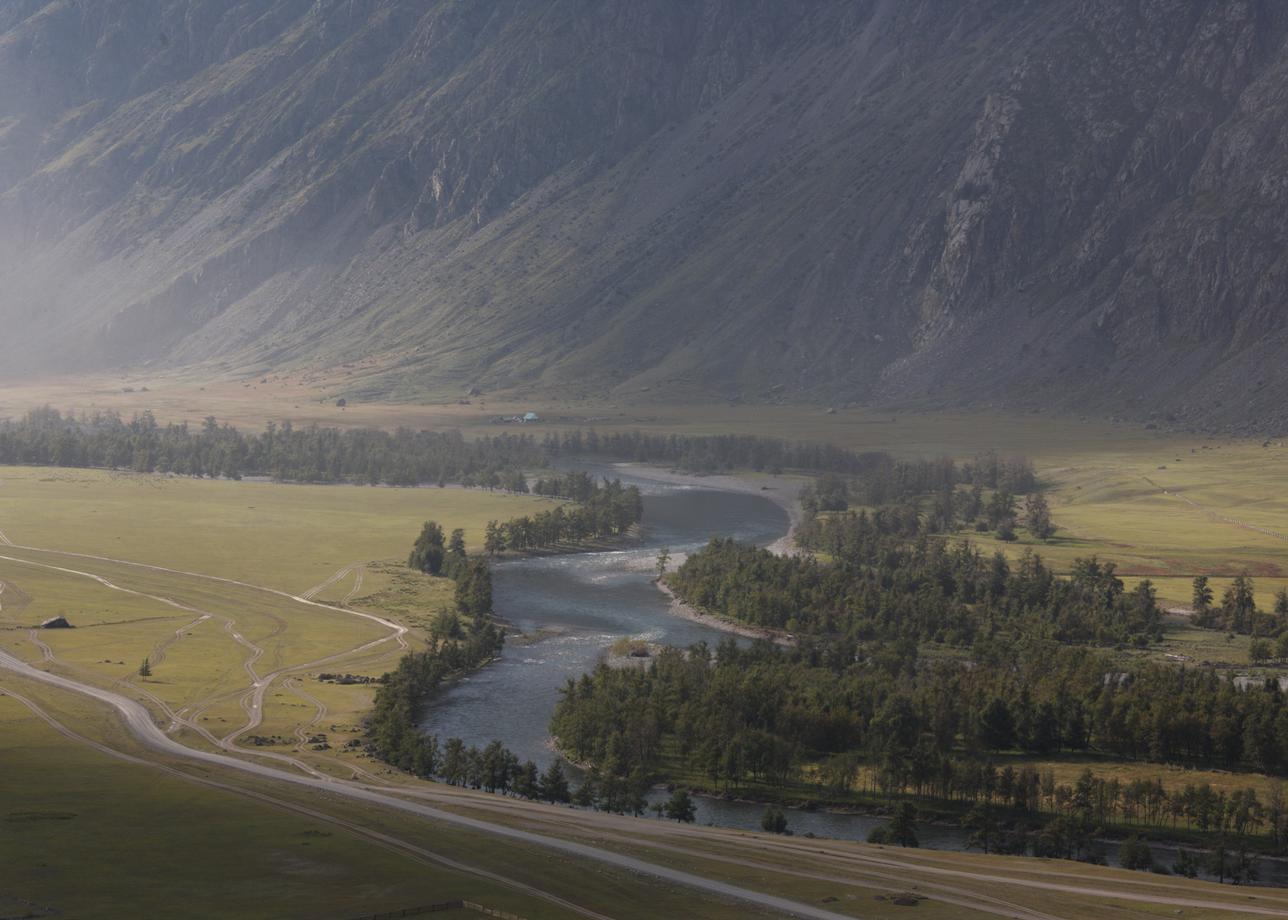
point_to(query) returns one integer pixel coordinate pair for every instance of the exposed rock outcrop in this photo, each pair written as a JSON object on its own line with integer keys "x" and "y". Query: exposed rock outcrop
{"x": 1059, "y": 204}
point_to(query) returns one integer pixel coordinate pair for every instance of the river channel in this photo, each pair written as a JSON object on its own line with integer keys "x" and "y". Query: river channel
{"x": 572, "y": 608}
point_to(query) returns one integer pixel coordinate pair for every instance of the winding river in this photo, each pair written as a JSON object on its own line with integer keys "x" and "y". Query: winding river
{"x": 571, "y": 608}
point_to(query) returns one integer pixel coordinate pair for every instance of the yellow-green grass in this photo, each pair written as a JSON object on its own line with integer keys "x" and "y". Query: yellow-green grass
{"x": 1218, "y": 512}
{"x": 859, "y": 879}
{"x": 91, "y": 836}
{"x": 197, "y": 663}
{"x": 198, "y": 667}
{"x": 290, "y": 537}
{"x": 1102, "y": 496}
{"x": 1067, "y": 768}
{"x": 144, "y": 842}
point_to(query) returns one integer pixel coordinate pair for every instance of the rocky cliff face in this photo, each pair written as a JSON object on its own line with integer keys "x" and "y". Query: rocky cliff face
{"x": 1063, "y": 204}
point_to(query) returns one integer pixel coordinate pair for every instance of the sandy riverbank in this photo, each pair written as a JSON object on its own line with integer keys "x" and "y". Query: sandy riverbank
{"x": 680, "y": 609}
{"x": 782, "y": 491}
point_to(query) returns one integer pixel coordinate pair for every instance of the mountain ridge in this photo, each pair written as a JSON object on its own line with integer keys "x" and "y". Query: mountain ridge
{"x": 1073, "y": 206}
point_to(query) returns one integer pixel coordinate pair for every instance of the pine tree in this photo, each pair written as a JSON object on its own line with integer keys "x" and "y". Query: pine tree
{"x": 681, "y": 807}
{"x": 145, "y": 669}
{"x": 554, "y": 785}
{"x": 1201, "y": 600}
{"x": 427, "y": 553}
{"x": 1038, "y": 517}
{"x": 493, "y": 539}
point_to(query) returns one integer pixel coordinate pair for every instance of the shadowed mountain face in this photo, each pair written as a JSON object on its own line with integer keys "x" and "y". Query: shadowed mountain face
{"x": 1066, "y": 204}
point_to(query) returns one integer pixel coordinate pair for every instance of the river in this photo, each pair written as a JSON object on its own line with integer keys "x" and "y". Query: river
{"x": 571, "y": 608}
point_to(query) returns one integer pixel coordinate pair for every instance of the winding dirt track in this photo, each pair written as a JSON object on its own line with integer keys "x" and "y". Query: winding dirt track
{"x": 357, "y": 586}
{"x": 139, "y": 721}
{"x": 318, "y": 589}
{"x": 1216, "y": 515}
{"x": 140, "y": 724}
{"x": 385, "y": 840}
{"x": 847, "y": 866}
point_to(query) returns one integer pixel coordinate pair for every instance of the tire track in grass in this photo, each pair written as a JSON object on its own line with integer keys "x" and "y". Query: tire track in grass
{"x": 139, "y": 722}
{"x": 318, "y": 589}
{"x": 357, "y": 586}
{"x": 1216, "y": 515}
{"x": 387, "y": 841}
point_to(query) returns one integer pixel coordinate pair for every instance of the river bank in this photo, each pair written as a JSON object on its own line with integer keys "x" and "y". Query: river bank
{"x": 681, "y": 609}
{"x": 783, "y": 491}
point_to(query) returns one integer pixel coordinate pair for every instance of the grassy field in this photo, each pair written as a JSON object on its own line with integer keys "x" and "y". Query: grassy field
{"x": 88, "y": 835}
{"x": 201, "y": 634}
{"x": 343, "y": 544}
{"x": 1163, "y": 505}
{"x": 290, "y": 537}
{"x": 91, "y": 836}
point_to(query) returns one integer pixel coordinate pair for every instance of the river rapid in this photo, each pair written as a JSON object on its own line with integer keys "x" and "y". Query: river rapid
{"x": 571, "y": 608}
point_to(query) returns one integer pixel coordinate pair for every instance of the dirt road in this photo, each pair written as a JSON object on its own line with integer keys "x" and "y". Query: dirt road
{"x": 140, "y": 724}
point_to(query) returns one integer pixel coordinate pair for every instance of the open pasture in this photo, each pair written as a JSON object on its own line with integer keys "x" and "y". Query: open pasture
{"x": 237, "y": 593}
{"x": 289, "y": 537}
{"x": 88, "y": 835}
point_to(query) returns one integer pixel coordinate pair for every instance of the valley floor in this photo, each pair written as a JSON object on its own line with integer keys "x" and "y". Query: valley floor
{"x": 240, "y": 594}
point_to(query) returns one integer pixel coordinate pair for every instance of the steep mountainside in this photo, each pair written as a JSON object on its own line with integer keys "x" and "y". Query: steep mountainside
{"x": 1065, "y": 203}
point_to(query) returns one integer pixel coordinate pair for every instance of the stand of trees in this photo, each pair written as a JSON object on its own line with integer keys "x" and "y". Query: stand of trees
{"x": 882, "y": 719}
{"x": 882, "y": 480}
{"x": 712, "y": 453}
{"x": 928, "y": 496}
{"x": 283, "y": 452}
{"x": 1238, "y": 613}
{"x": 606, "y": 509}
{"x": 883, "y": 586}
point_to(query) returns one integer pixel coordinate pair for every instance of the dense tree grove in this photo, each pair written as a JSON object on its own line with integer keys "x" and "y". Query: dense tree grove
{"x": 881, "y": 477}
{"x": 312, "y": 454}
{"x": 1238, "y": 613}
{"x": 882, "y": 586}
{"x": 574, "y": 486}
{"x": 400, "y": 698}
{"x": 604, "y": 509}
{"x": 712, "y": 453}
{"x": 914, "y": 725}
{"x": 883, "y": 481}
{"x": 920, "y": 661}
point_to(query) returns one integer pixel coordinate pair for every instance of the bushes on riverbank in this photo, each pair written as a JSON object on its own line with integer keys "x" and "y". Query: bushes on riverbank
{"x": 604, "y": 510}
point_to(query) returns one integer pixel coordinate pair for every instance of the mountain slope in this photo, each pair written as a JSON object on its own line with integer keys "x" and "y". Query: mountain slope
{"x": 1065, "y": 204}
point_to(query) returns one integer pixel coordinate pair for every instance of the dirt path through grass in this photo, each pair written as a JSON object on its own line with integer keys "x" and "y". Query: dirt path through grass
{"x": 1216, "y": 515}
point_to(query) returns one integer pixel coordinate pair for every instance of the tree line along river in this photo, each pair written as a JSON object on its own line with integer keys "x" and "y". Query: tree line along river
{"x": 572, "y": 608}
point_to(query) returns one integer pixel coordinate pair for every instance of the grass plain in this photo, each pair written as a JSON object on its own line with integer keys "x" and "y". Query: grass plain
{"x": 289, "y": 537}
{"x": 88, "y": 835}
{"x": 200, "y": 634}
{"x": 1160, "y": 505}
